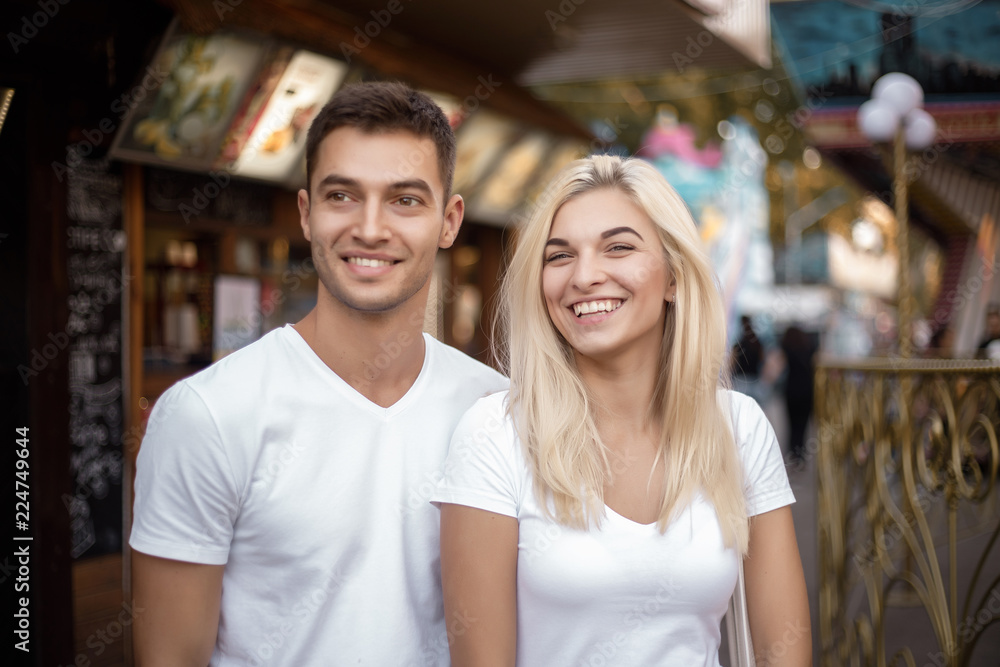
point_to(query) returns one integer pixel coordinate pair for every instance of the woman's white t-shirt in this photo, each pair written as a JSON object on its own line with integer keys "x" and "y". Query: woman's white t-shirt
{"x": 622, "y": 593}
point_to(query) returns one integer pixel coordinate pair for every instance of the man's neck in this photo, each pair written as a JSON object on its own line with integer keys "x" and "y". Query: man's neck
{"x": 379, "y": 354}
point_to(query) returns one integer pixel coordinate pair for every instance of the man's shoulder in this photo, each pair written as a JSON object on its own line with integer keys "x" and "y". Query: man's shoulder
{"x": 233, "y": 390}
{"x": 245, "y": 367}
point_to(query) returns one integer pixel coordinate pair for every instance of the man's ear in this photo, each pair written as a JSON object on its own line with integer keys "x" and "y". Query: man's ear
{"x": 454, "y": 212}
{"x": 303, "y": 200}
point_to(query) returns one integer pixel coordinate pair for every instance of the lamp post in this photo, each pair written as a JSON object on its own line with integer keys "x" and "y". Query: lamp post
{"x": 895, "y": 114}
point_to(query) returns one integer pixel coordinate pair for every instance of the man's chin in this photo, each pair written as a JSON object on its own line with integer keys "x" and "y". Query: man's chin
{"x": 374, "y": 304}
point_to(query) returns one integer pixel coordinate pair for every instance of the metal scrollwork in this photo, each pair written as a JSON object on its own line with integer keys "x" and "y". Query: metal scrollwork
{"x": 908, "y": 498}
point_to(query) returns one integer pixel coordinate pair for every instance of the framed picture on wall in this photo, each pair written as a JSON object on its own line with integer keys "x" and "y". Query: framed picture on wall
{"x": 180, "y": 111}
{"x": 270, "y": 143}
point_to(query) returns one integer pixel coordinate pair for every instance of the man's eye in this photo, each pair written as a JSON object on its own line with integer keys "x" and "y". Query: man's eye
{"x": 337, "y": 196}
{"x": 408, "y": 201}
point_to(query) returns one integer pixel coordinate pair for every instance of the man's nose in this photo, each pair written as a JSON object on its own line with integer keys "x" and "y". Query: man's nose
{"x": 372, "y": 227}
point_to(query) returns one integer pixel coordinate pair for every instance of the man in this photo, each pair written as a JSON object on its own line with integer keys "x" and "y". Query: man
{"x": 281, "y": 512}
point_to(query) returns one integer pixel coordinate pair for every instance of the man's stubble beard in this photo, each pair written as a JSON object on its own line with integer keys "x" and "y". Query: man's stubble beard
{"x": 392, "y": 301}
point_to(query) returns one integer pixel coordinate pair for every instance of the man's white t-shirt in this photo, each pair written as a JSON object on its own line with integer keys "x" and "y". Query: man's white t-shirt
{"x": 314, "y": 498}
{"x": 621, "y": 594}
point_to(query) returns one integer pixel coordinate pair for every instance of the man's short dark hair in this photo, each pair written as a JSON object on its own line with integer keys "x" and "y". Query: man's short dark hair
{"x": 385, "y": 107}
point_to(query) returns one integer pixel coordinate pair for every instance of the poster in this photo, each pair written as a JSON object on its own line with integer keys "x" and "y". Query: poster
{"x": 237, "y": 317}
{"x": 196, "y": 84}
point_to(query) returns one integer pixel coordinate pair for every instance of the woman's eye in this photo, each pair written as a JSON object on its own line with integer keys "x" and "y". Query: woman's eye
{"x": 555, "y": 256}
{"x": 618, "y": 247}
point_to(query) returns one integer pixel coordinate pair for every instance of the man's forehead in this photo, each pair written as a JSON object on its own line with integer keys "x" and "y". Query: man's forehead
{"x": 386, "y": 156}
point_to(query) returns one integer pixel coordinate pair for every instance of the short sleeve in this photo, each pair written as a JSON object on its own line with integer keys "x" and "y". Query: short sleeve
{"x": 484, "y": 467}
{"x": 767, "y": 486}
{"x": 186, "y": 499}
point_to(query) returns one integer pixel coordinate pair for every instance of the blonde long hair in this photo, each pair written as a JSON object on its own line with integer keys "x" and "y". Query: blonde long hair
{"x": 551, "y": 406}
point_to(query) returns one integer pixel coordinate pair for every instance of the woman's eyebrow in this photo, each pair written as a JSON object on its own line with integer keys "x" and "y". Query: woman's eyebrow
{"x": 620, "y": 230}
{"x": 614, "y": 231}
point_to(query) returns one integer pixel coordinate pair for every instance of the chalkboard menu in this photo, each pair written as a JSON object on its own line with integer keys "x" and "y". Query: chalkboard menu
{"x": 97, "y": 281}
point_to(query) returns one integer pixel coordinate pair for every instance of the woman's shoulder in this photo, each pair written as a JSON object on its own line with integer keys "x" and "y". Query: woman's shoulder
{"x": 488, "y": 418}
{"x": 485, "y": 442}
{"x": 739, "y": 406}
{"x": 491, "y": 406}
{"x": 749, "y": 423}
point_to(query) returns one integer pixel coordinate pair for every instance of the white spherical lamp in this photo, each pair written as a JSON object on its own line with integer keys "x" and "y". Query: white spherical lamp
{"x": 920, "y": 130}
{"x": 900, "y": 90}
{"x": 878, "y": 120}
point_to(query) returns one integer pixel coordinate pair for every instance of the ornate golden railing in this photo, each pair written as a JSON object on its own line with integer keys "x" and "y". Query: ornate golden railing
{"x": 908, "y": 505}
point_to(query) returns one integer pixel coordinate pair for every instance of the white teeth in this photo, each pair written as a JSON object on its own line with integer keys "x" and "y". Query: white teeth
{"x": 364, "y": 261}
{"x": 588, "y": 307}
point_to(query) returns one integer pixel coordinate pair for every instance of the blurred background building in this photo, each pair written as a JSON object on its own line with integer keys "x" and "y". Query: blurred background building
{"x": 151, "y": 151}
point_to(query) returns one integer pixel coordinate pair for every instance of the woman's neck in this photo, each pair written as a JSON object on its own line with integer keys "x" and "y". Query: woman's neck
{"x": 622, "y": 393}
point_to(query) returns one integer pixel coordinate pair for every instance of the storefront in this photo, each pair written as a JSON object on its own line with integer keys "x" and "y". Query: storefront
{"x": 151, "y": 155}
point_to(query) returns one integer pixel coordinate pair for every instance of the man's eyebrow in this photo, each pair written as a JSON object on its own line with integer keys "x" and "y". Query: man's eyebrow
{"x": 412, "y": 184}
{"x": 332, "y": 180}
{"x": 336, "y": 179}
{"x": 620, "y": 230}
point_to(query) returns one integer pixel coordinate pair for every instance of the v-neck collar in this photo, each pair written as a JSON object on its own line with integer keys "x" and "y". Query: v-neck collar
{"x": 345, "y": 388}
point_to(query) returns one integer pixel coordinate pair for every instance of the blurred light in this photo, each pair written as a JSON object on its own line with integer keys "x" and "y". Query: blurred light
{"x": 773, "y": 179}
{"x": 920, "y": 130}
{"x": 878, "y": 120}
{"x": 726, "y": 130}
{"x": 811, "y": 158}
{"x": 899, "y": 90}
{"x": 883, "y": 323}
{"x": 174, "y": 252}
{"x": 764, "y": 111}
{"x": 189, "y": 254}
{"x": 866, "y": 235}
{"x": 774, "y": 144}
{"x": 466, "y": 256}
{"x": 771, "y": 87}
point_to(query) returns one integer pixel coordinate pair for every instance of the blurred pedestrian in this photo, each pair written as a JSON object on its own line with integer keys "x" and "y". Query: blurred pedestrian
{"x": 942, "y": 343}
{"x": 799, "y": 351}
{"x": 989, "y": 347}
{"x": 746, "y": 359}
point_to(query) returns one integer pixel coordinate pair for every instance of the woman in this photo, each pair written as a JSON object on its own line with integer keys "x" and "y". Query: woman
{"x": 595, "y": 514}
